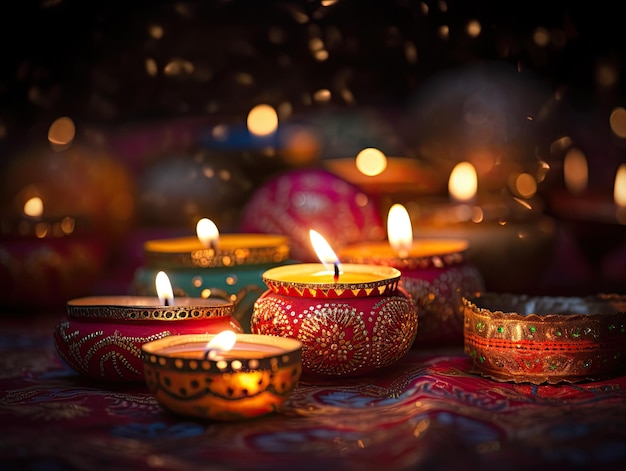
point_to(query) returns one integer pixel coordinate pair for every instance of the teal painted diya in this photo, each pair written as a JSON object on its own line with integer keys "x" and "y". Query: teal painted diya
{"x": 213, "y": 265}
{"x": 543, "y": 339}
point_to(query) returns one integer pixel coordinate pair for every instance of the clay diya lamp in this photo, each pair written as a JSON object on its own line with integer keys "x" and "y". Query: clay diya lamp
{"x": 46, "y": 258}
{"x": 224, "y": 377}
{"x": 352, "y": 319}
{"x": 502, "y": 231}
{"x": 543, "y": 339}
{"x": 101, "y": 336}
{"x": 435, "y": 272}
{"x": 226, "y": 266}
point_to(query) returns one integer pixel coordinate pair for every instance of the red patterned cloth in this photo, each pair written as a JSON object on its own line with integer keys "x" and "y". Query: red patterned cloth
{"x": 426, "y": 412}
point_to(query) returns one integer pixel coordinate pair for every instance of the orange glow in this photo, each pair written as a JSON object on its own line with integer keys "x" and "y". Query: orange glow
{"x": 262, "y": 120}
{"x": 617, "y": 121}
{"x": 371, "y": 162}
{"x": 523, "y": 185}
{"x": 164, "y": 289}
{"x": 463, "y": 182}
{"x": 61, "y": 133}
{"x": 575, "y": 171}
{"x": 207, "y": 233}
{"x": 399, "y": 230}
{"x": 34, "y": 207}
{"x": 473, "y": 28}
{"x": 324, "y": 252}
{"x": 541, "y": 36}
{"x": 620, "y": 186}
{"x": 322, "y": 96}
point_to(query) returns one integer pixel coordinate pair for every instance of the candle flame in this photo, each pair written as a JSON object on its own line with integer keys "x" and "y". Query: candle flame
{"x": 575, "y": 171}
{"x": 325, "y": 253}
{"x": 399, "y": 230}
{"x": 222, "y": 342}
{"x": 164, "y": 289}
{"x": 34, "y": 207}
{"x": 463, "y": 182}
{"x": 208, "y": 233}
{"x": 619, "y": 193}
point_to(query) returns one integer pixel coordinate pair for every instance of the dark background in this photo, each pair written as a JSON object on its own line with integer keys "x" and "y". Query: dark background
{"x": 86, "y": 59}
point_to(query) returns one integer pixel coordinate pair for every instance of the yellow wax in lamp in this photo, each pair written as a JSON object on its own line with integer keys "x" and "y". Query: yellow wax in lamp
{"x": 207, "y": 237}
{"x": 142, "y": 301}
{"x": 239, "y": 351}
{"x": 223, "y": 346}
{"x": 421, "y": 248}
{"x": 400, "y": 242}
{"x": 209, "y": 249}
{"x": 163, "y": 300}
{"x": 317, "y": 273}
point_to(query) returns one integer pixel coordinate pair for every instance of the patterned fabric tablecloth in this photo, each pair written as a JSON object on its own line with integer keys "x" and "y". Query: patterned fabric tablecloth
{"x": 427, "y": 412}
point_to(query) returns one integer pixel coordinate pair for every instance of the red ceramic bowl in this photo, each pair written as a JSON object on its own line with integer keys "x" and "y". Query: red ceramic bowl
{"x": 101, "y": 337}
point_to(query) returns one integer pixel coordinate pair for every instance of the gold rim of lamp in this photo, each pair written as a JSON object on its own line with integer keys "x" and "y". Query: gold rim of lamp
{"x": 425, "y": 253}
{"x": 145, "y": 308}
{"x": 315, "y": 280}
{"x": 545, "y": 339}
{"x": 186, "y": 353}
{"x": 232, "y": 250}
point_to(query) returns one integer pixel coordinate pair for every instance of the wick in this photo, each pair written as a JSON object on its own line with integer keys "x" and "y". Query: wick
{"x": 336, "y": 277}
{"x": 210, "y": 354}
{"x": 166, "y": 301}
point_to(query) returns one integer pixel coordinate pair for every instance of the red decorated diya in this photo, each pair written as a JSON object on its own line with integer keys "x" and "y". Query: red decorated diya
{"x": 437, "y": 274}
{"x": 350, "y": 324}
{"x": 543, "y": 339}
{"x": 101, "y": 337}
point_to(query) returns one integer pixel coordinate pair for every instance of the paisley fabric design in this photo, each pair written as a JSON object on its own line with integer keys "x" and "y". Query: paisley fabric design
{"x": 426, "y": 411}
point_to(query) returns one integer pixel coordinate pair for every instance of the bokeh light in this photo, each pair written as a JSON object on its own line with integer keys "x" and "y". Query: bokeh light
{"x": 61, "y": 133}
{"x": 33, "y": 207}
{"x": 575, "y": 171}
{"x": 617, "y": 121}
{"x": 262, "y": 120}
{"x": 371, "y": 162}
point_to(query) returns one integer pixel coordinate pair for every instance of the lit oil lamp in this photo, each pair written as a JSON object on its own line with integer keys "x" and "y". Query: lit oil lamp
{"x": 46, "y": 258}
{"x": 509, "y": 235}
{"x": 101, "y": 336}
{"x": 224, "y": 377}
{"x": 227, "y": 266}
{"x": 352, "y": 319}
{"x": 435, "y": 272}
